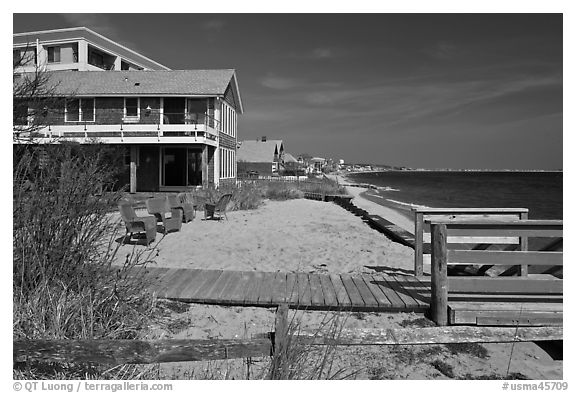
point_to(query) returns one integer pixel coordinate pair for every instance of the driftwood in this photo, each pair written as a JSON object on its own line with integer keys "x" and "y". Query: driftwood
{"x": 113, "y": 352}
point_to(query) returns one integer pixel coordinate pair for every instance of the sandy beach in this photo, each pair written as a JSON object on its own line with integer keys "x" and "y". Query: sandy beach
{"x": 294, "y": 235}
{"x": 311, "y": 236}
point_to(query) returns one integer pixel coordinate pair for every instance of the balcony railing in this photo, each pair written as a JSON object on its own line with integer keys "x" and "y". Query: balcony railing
{"x": 189, "y": 127}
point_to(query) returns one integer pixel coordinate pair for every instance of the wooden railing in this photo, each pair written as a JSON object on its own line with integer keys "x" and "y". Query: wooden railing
{"x": 442, "y": 257}
{"x": 115, "y": 352}
{"x": 422, "y": 230}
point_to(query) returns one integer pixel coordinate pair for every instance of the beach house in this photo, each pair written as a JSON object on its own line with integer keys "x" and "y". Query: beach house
{"x": 262, "y": 157}
{"x": 177, "y": 128}
{"x": 77, "y": 49}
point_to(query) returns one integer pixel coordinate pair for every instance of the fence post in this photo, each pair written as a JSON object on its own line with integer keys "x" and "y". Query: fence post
{"x": 523, "y": 269}
{"x": 439, "y": 300}
{"x": 418, "y": 244}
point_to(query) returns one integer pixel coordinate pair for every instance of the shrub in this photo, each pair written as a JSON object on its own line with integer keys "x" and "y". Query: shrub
{"x": 281, "y": 191}
{"x": 244, "y": 197}
{"x": 64, "y": 242}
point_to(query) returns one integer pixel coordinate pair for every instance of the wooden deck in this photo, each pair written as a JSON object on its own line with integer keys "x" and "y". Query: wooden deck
{"x": 361, "y": 292}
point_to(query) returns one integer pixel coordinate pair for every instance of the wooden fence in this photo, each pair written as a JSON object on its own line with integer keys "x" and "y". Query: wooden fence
{"x": 422, "y": 229}
{"x": 497, "y": 311}
{"x": 115, "y": 352}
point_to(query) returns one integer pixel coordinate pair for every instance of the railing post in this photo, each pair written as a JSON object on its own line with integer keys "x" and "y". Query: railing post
{"x": 439, "y": 300}
{"x": 523, "y": 269}
{"x": 418, "y": 243}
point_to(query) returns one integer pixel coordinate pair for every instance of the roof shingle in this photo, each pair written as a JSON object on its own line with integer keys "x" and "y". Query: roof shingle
{"x": 173, "y": 82}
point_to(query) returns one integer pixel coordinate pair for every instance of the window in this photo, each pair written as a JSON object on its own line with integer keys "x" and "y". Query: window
{"x": 82, "y": 109}
{"x": 53, "y": 54}
{"x": 87, "y": 109}
{"x": 24, "y": 57}
{"x": 132, "y": 107}
{"x": 227, "y": 163}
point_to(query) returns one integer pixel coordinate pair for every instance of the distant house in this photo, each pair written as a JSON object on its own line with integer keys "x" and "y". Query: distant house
{"x": 262, "y": 157}
{"x": 292, "y": 167}
{"x": 318, "y": 164}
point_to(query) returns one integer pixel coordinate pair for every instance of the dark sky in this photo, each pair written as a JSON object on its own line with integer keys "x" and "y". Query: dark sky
{"x": 417, "y": 90}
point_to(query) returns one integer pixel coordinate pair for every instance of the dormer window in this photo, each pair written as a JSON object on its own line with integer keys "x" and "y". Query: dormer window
{"x": 131, "y": 109}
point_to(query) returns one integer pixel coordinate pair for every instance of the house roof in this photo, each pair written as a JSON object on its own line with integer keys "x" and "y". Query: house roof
{"x": 289, "y": 158}
{"x": 258, "y": 151}
{"x": 142, "y": 83}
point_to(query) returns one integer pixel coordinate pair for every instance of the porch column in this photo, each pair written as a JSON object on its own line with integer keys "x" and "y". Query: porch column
{"x": 133, "y": 161}
{"x": 205, "y": 166}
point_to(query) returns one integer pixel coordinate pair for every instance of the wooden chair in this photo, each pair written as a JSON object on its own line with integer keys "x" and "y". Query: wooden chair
{"x": 136, "y": 224}
{"x": 171, "y": 219}
{"x": 219, "y": 208}
{"x": 181, "y": 202}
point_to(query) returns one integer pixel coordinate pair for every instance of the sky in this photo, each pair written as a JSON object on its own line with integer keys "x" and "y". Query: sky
{"x": 478, "y": 91}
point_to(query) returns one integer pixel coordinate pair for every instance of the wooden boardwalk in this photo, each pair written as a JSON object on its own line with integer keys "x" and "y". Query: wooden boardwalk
{"x": 360, "y": 292}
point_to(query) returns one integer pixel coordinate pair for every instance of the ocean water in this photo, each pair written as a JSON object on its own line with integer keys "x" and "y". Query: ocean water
{"x": 540, "y": 192}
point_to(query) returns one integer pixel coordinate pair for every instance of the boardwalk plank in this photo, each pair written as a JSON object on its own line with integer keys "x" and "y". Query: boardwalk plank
{"x": 191, "y": 280}
{"x": 156, "y": 272}
{"x": 181, "y": 279}
{"x": 253, "y": 289}
{"x": 163, "y": 283}
{"x": 330, "y": 299}
{"x": 340, "y": 291}
{"x": 352, "y": 291}
{"x": 197, "y": 278}
{"x": 422, "y": 287}
{"x": 388, "y": 290}
{"x": 153, "y": 278}
{"x": 304, "y": 294}
{"x": 266, "y": 289}
{"x": 291, "y": 289}
{"x": 367, "y": 296}
{"x": 279, "y": 288}
{"x": 317, "y": 296}
{"x": 334, "y": 291}
{"x": 411, "y": 285}
{"x": 383, "y": 301}
{"x": 230, "y": 287}
{"x": 398, "y": 287}
{"x": 209, "y": 279}
{"x": 213, "y": 295}
{"x": 236, "y": 296}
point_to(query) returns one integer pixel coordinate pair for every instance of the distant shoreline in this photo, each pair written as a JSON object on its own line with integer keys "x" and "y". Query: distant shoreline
{"x": 344, "y": 173}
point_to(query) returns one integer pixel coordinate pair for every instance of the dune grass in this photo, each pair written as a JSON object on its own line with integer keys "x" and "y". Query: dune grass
{"x": 64, "y": 243}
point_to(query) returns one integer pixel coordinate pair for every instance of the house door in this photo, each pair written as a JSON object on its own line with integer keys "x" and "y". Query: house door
{"x": 181, "y": 167}
{"x": 174, "y": 166}
{"x": 194, "y": 167}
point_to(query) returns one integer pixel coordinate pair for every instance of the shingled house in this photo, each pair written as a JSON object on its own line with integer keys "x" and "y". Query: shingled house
{"x": 177, "y": 128}
{"x": 262, "y": 157}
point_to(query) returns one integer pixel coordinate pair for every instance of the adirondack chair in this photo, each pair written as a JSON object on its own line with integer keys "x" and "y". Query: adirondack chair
{"x": 136, "y": 224}
{"x": 171, "y": 219}
{"x": 219, "y": 208}
{"x": 181, "y": 203}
